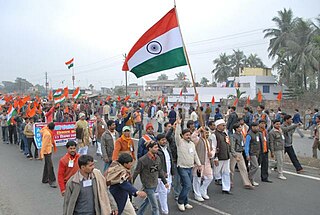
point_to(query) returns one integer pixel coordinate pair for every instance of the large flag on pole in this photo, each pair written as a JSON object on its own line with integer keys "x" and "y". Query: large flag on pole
{"x": 69, "y": 63}
{"x": 160, "y": 48}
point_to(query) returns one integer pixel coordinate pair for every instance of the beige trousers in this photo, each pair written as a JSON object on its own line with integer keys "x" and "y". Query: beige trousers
{"x": 242, "y": 168}
{"x": 128, "y": 208}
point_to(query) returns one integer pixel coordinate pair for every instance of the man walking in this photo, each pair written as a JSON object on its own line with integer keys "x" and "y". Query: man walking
{"x": 149, "y": 168}
{"x": 264, "y": 151}
{"x": 46, "y": 153}
{"x": 316, "y": 143}
{"x": 108, "y": 140}
{"x": 187, "y": 158}
{"x": 149, "y": 136}
{"x": 68, "y": 165}
{"x": 232, "y": 119}
{"x": 86, "y": 191}
{"x": 288, "y": 130}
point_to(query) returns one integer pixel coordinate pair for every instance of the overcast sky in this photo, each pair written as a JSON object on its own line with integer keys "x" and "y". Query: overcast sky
{"x": 38, "y": 36}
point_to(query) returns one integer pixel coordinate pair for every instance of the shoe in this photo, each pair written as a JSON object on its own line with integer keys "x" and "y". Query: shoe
{"x": 282, "y": 177}
{"x": 30, "y": 158}
{"x": 267, "y": 180}
{"x": 218, "y": 182}
{"x": 226, "y": 192}
{"x": 188, "y": 206}
{"x": 255, "y": 183}
{"x": 206, "y": 197}
{"x": 300, "y": 171}
{"x": 181, "y": 207}
{"x": 199, "y": 199}
{"x": 249, "y": 187}
{"x": 53, "y": 185}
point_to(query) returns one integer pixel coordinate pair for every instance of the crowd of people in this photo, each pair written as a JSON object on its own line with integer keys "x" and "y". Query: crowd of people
{"x": 188, "y": 151}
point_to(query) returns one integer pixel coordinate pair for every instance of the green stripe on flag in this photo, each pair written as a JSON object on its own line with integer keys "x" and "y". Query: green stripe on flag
{"x": 168, "y": 60}
{"x": 70, "y": 65}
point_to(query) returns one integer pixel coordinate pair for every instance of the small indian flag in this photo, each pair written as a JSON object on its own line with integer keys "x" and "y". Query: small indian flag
{"x": 160, "y": 48}
{"x": 60, "y": 99}
{"x": 69, "y": 63}
{"x": 11, "y": 113}
{"x": 58, "y": 93}
{"x": 76, "y": 94}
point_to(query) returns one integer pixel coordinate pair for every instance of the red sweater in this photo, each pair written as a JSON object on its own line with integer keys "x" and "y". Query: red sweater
{"x": 65, "y": 172}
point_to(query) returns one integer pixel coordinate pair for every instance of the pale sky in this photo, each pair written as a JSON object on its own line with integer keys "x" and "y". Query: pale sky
{"x": 38, "y": 36}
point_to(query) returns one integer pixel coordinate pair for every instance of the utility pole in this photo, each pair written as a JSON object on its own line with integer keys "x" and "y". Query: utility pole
{"x": 47, "y": 84}
{"x": 126, "y": 76}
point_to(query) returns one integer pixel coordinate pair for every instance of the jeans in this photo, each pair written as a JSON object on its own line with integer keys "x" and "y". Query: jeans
{"x": 176, "y": 182}
{"x": 159, "y": 127}
{"x": 152, "y": 199}
{"x": 48, "y": 172}
{"x": 292, "y": 155}
{"x": 185, "y": 178}
{"x": 83, "y": 150}
{"x": 138, "y": 129}
{"x": 5, "y": 134}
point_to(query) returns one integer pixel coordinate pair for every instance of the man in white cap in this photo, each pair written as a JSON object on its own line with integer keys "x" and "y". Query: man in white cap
{"x": 222, "y": 155}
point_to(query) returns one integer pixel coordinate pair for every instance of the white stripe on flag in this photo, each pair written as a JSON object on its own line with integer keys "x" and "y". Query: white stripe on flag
{"x": 169, "y": 41}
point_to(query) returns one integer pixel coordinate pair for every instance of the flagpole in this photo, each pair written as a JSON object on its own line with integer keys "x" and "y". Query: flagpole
{"x": 73, "y": 77}
{"x": 190, "y": 69}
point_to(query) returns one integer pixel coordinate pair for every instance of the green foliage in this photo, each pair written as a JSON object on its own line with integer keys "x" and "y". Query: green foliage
{"x": 162, "y": 77}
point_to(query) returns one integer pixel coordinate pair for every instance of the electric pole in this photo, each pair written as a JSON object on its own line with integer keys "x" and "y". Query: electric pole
{"x": 47, "y": 84}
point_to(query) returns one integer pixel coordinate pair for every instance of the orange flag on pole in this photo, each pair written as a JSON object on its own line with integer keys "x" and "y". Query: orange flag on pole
{"x": 196, "y": 97}
{"x": 137, "y": 93}
{"x": 108, "y": 98}
{"x": 259, "y": 96}
{"x": 235, "y": 102}
{"x": 50, "y": 96}
{"x": 279, "y": 97}
{"x": 162, "y": 101}
{"x": 180, "y": 92}
{"x": 127, "y": 98}
{"x": 213, "y": 100}
{"x": 66, "y": 92}
{"x": 119, "y": 99}
{"x": 248, "y": 101}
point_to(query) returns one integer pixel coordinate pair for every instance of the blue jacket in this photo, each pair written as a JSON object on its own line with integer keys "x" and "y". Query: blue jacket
{"x": 121, "y": 123}
{"x": 142, "y": 149}
{"x": 120, "y": 194}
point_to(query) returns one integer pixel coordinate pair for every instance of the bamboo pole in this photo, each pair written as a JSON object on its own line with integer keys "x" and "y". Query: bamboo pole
{"x": 190, "y": 69}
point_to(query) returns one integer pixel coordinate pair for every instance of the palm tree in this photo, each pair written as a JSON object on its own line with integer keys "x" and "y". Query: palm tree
{"x": 238, "y": 60}
{"x": 254, "y": 61}
{"x": 162, "y": 77}
{"x": 204, "y": 81}
{"x": 280, "y": 35}
{"x": 303, "y": 51}
{"x": 222, "y": 68}
{"x": 181, "y": 76}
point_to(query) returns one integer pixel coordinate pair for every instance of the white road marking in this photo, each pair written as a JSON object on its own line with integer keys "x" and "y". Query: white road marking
{"x": 301, "y": 175}
{"x": 209, "y": 207}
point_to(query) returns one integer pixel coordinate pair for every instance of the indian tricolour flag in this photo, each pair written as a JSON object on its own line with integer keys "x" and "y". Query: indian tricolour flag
{"x": 76, "y": 94}
{"x": 60, "y": 99}
{"x": 160, "y": 48}
{"x": 11, "y": 113}
{"x": 58, "y": 93}
{"x": 69, "y": 63}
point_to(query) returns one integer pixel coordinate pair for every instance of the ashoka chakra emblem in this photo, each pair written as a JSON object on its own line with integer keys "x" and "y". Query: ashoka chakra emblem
{"x": 154, "y": 47}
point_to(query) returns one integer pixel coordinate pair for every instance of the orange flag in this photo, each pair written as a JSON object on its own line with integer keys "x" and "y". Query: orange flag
{"x": 127, "y": 98}
{"x": 248, "y": 101}
{"x": 137, "y": 93}
{"x": 39, "y": 109}
{"x": 15, "y": 104}
{"x": 279, "y": 97}
{"x": 259, "y": 96}
{"x": 235, "y": 102}
{"x": 50, "y": 96}
{"x": 108, "y": 98}
{"x": 119, "y": 99}
{"x": 32, "y": 112}
{"x": 212, "y": 100}
{"x": 180, "y": 92}
{"x": 66, "y": 110}
{"x": 196, "y": 97}
{"x": 162, "y": 100}
{"x": 66, "y": 92}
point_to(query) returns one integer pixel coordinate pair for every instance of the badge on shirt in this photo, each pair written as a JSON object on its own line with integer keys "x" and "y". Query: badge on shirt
{"x": 87, "y": 183}
{"x": 258, "y": 139}
{"x": 131, "y": 148}
{"x": 191, "y": 150}
{"x": 102, "y": 126}
{"x": 71, "y": 163}
{"x": 282, "y": 136}
{"x": 265, "y": 139}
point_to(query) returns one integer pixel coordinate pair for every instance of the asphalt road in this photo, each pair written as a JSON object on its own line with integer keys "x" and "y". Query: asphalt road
{"x": 21, "y": 191}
